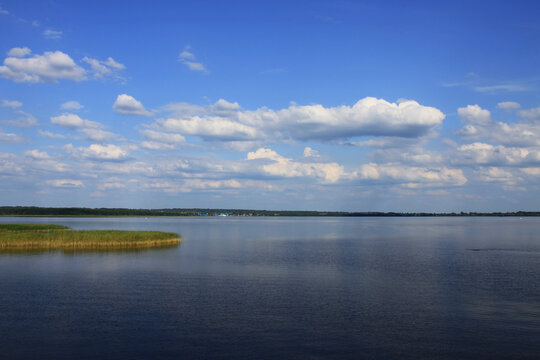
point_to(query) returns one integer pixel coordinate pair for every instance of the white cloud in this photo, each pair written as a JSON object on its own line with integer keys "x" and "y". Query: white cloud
{"x": 37, "y": 155}
{"x": 280, "y": 166}
{"x": 500, "y": 88}
{"x": 508, "y": 105}
{"x": 479, "y": 126}
{"x": 19, "y": 52}
{"x": 309, "y": 152}
{"x": 186, "y": 55}
{"x": 532, "y": 171}
{"x": 112, "y": 184}
{"x": 49, "y": 67}
{"x": 211, "y": 184}
{"x": 495, "y": 174}
{"x": 532, "y": 114}
{"x": 412, "y": 177}
{"x": 9, "y": 164}
{"x": 99, "y": 135}
{"x": 91, "y": 130}
{"x": 187, "y": 58}
{"x": 65, "y": 183}
{"x": 73, "y": 121}
{"x": 71, "y": 105}
{"x": 474, "y": 114}
{"x": 128, "y": 105}
{"x": 52, "y": 34}
{"x": 11, "y": 104}
{"x": 161, "y": 140}
{"x": 410, "y": 155}
{"x": 99, "y": 152}
{"x": 10, "y": 138}
{"x": 24, "y": 120}
{"x": 368, "y": 117}
{"x": 486, "y": 154}
{"x": 102, "y": 69}
{"x": 50, "y": 135}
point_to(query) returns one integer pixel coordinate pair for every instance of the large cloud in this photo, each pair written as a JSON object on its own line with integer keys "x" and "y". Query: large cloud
{"x": 224, "y": 121}
{"x": 49, "y": 67}
{"x": 480, "y": 126}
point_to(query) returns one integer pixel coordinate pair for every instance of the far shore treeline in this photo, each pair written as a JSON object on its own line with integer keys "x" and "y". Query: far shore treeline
{"x": 80, "y": 211}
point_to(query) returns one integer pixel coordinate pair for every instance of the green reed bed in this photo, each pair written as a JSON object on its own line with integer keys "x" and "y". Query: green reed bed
{"x": 63, "y": 238}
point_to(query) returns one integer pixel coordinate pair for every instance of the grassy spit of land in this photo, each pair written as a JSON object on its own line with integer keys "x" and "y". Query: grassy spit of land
{"x": 57, "y": 237}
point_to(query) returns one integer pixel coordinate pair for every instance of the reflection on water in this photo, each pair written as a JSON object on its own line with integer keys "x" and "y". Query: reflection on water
{"x": 282, "y": 287}
{"x": 100, "y": 250}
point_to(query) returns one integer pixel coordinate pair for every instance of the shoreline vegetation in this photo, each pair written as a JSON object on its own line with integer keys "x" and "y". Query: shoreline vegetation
{"x": 98, "y": 212}
{"x": 58, "y": 237}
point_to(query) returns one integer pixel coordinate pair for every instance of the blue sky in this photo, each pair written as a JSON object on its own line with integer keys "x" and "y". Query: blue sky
{"x": 319, "y": 105}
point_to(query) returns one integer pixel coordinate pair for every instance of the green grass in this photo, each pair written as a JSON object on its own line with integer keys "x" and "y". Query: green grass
{"x": 56, "y": 237}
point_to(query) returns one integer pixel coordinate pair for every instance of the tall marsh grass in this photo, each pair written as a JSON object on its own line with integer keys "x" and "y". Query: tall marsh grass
{"x": 32, "y": 237}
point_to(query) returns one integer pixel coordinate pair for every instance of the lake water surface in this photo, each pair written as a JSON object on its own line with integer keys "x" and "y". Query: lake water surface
{"x": 264, "y": 288}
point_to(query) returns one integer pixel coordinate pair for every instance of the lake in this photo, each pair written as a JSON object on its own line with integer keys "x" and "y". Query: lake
{"x": 266, "y": 288}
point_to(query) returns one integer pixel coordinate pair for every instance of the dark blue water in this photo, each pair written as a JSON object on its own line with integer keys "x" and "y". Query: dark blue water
{"x": 265, "y": 288}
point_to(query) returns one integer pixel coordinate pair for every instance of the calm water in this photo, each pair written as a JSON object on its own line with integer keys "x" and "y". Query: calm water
{"x": 374, "y": 288}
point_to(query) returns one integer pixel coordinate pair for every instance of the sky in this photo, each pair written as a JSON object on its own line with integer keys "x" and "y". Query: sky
{"x": 284, "y": 105}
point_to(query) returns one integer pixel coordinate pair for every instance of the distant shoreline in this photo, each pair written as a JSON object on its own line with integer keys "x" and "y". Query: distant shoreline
{"x": 33, "y": 211}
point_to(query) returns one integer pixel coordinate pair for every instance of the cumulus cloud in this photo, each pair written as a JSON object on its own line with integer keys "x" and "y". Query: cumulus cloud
{"x": 496, "y": 174}
{"x": 91, "y": 130}
{"x": 52, "y": 34}
{"x": 480, "y": 126}
{"x": 37, "y": 155}
{"x": 158, "y": 140}
{"x": 19, "y": 52}
{"x": 102, "y": 69}
{"x": 128, "y": 105}
{"x": 474, "y": 114}
{"x": 187, "y": 58}
{"x": 486, "y": 154}
{"x": 71, "y": 105}
{"x": 280, "y": 166}
{"x": 411, "y": 155}
{"x": 99, "y": 152}
{"x": 224, "y": 121}
{"x": 73, "y": 121}
{"x": 49, "y": 67}
{"x": 411, "y": 176}
{"x": 309, "y": 152}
